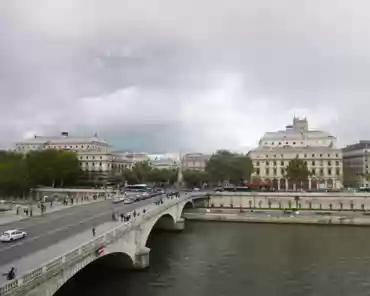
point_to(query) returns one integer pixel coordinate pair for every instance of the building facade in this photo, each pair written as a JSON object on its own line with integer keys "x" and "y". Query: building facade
{"x": 194, "y": 161}
{"x": 316, "y": 148}
{"x": 355, "y": 164}
{"x": 94, "y": 154}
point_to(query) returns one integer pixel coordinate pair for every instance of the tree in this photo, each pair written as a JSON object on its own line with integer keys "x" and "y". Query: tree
{"x": 194, "y": 178}
{"x": 142, "y": 170}
{"x": 297, "y": 171}
{"x": 52, "y": 167}
{"x": 226, "y": 166}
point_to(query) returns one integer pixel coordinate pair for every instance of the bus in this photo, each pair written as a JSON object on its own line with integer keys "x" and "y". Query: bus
{"x": 137, "y": 187}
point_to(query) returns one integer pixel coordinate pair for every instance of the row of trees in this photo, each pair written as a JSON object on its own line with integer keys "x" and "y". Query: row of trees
{"x": 222, "y": 166}
{"x": 19, "y": 173}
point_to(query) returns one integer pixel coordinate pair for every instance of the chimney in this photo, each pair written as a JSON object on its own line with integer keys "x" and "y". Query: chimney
{"x": 64, "y": 134}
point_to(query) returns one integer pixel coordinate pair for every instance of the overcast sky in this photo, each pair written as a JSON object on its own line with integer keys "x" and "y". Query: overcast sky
{"x": 155, "y": 75}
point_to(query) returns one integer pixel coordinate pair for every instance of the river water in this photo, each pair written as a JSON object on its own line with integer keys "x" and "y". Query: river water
{"x": 213, "y": 258}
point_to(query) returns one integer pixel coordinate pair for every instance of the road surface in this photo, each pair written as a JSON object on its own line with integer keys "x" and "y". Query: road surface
{"x": 51, "y": 228}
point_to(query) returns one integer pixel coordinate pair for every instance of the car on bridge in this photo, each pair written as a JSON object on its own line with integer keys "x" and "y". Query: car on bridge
{"x": 12, "y": 235}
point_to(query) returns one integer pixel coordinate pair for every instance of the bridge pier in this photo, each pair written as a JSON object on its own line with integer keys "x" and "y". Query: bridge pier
{"x": 142, "y": 258}
{"x": 179, "y": 225}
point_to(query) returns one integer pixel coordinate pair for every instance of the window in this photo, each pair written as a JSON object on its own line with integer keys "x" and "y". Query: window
{"x": 93, "y": 157}
{"x": 279, "y": 143}
{"x": 337, "y": 155}
{"x": 100, "y": 164}
{"x": 274, "y": 163}
{"x": 337, "y": 172}
{"x": 313, "y": 155}
{"x": 282, "y": 155}
{"x": 337, "y": 163}
{"x": 267, "y": 172}
{"x": 272, "y": 143}
{"x": 257, "y": 171}
{"x": 313, "y": 171}
{"x": 329, "y": 155}
{"x": 297, "y": 155}
{"x": 293, "y": 143}
{"x": 267, "y": 156}
{"x": 101, "y": 157}
{"x": 321, "y": 172}
{"x": 257, "y": 163}
{"x": 320, "y": 155}
{"x": 329, "y": 172}
{"x": 329, "y": 163}
{"x": 305, "y": 155}
{"x": 282, "y": 171}
{"x": 282, "y": 162}
{"x": 267, "y": 163}
{"x": 275, "y": 172}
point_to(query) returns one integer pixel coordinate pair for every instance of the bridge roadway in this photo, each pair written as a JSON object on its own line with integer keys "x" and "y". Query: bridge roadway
{"x": 51, "y": 228}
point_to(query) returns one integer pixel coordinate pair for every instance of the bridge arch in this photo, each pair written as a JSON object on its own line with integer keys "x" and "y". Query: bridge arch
{"x": 110, "y": 262}
{"x": 167, "y": 221}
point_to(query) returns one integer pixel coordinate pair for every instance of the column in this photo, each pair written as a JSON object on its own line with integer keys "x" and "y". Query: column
{"x": 326, "y": 183}
{"x": 309, "y": 183}
{"x": 278, "y": 184}
{"x": 286, "y": 184}
{"x": 142, "y": 258}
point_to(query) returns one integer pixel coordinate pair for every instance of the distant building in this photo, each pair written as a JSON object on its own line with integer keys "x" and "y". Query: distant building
{"x": 355, "y": 164}
{"x": 317, "y": 148}
{"x": 94, "y": 154}
{"x": 194, "y": 161}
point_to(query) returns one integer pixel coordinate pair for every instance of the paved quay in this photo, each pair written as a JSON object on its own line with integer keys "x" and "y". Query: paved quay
{"x": 279, "y": 218}
{"x": 29, "y": 262}
{"x": 11, "y": 215}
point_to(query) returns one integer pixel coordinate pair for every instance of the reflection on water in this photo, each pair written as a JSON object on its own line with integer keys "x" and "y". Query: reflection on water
{"x": 212, "y": 259}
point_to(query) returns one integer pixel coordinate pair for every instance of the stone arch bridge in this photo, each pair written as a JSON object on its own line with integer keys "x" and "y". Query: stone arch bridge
{"x": 126, "y": 244}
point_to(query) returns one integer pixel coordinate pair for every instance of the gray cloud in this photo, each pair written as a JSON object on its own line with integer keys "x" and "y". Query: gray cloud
{"x": 183, "y": 75}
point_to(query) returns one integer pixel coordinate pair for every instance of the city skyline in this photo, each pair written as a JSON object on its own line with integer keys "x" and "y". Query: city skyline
{"x": 161, "y": 76}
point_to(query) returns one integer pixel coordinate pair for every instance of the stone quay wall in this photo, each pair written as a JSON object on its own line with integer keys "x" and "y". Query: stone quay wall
{"x": 289, "y": 200}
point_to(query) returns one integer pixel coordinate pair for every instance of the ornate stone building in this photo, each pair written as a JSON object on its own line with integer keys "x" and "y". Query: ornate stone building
{"x": 94, "y": 154}
{"x": 317, "y": 148}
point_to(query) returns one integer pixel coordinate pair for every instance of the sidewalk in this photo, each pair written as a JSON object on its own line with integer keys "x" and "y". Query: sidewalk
{"x": 27, "y": 263}
{"x": 11, "y": 216}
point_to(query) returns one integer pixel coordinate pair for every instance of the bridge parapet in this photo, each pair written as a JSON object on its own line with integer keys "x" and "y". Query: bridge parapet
{"x": 41, "y": 274}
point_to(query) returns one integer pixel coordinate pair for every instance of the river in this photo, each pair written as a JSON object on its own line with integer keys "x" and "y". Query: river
{"x": 211, "y": 259}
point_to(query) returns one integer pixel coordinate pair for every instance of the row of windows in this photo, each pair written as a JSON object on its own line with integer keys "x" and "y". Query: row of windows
{"x": 320, "y": 172}
{"x": 92, "y": 157}
{"x": 56, "y": 147}
{"x": 293, "y": 143}
{"x": 282, "y": 163}
{"x": 100, "y": 164}
{"x": 313, "y": 155}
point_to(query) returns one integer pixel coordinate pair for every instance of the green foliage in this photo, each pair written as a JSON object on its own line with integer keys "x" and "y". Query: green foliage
{"x": 19, "y": 173}
{"x": 194, "y": 178}
{"x": 143, "y": 172}
{"x": 297, "y": 171}
{"x": 227, "y": 166}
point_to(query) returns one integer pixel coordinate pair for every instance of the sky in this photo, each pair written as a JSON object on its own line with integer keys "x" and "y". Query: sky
{"x": 195, "y": 75}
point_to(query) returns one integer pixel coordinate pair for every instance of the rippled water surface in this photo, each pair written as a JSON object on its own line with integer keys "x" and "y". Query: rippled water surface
{"x": 234, "y": 259}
